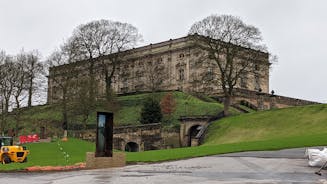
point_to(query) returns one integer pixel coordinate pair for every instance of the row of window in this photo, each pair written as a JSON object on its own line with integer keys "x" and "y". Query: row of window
{"x": 158, "y": 60}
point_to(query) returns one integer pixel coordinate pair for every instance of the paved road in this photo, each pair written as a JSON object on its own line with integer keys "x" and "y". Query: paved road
{"x": 295, "y": 153}
{"x": 247, "y": 167}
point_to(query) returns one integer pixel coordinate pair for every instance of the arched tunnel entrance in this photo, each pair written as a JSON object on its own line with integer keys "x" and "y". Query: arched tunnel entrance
{"x": 132, "y": 147}
{"x": 194, "y": 130}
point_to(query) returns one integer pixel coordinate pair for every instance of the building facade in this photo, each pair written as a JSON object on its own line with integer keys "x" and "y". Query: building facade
{"x": 176, "y": 64}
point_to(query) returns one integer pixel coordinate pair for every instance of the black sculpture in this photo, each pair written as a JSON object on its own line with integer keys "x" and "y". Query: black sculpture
{"x": 104, "y": 134}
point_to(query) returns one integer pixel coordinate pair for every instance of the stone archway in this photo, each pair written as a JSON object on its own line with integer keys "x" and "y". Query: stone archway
{"x": 190, "y": 126}
{"x": 132, "y": 147}
{"x": 192, "y": 132}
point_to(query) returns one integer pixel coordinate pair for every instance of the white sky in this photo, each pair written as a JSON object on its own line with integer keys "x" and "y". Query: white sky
{"x": 294, "y": 30}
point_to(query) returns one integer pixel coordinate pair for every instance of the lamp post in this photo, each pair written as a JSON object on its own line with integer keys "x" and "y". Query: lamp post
{"x": 260, "y": 105}
{"x": 272, "y": 99}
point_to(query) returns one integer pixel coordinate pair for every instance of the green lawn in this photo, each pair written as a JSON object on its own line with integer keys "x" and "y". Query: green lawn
{"x": 53, "y": 153}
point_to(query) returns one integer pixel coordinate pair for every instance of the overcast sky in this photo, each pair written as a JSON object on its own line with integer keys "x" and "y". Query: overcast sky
{"x": 295, "y": 31}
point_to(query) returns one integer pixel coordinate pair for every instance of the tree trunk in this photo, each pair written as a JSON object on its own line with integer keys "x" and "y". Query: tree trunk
{"x": 17, "y": 102}
{"x": 108, "y": 78}
{"x": 227, "y": 102}
{"x": 30, "y": 93}
{"x": 17, "y": 114}
{"x": 6, "y": 108}
{"x": 64, "y": 107}
{"x": 64, "y": 113}
{"x": 108, "y": 87}
{"x": 92, "y": 81}
{"x": 2, "y": 118}
{"x": 17, "y": 122}
{"x": 85, "y": 122}
{"x": 65, "y": 127}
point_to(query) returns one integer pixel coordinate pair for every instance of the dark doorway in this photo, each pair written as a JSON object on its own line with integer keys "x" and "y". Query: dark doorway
{"x": 132, "y": 147}
{"x": 42, "y": 132}
{"x": 194, "y": 130}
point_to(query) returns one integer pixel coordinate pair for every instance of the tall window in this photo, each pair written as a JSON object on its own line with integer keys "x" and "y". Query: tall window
{"x": 256, "y": 82}
{"x": 243, "y": 82}
{"x": 210, "y": 73}
{"x": 256, "y": 77}
{"x": 181, "y": 74}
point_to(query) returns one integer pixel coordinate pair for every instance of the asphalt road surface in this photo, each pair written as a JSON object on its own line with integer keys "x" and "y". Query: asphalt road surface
{"x": 285, "y": 166}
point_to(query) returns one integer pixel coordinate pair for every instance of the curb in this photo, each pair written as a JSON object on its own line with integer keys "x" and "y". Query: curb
{"x": 77, "y": 166}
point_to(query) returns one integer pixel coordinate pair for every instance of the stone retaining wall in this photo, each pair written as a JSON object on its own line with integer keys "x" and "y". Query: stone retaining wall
{"x": 118, "y": 159}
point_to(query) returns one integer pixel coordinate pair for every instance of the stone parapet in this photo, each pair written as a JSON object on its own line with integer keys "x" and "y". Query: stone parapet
{"x": 278, "y": 99}
{"x": 134, "y": 128}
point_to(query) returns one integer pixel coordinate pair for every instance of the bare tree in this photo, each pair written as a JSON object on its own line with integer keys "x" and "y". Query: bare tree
{"x": 80, "y": 101}
{"x": 20, "y": 85}
{"x": 7, "y": 77}
{"x": 154, "y": 74}
{"x": 232, "y": 45}
{"x": 7, "y": 84}
{"x": 104, "y": 37}
{"x": 20, "y": 82}
{"x": 64, "y": 77}
{"x": 17, "y": 74}
{"x": 3, "y": 58}
{"x": 34, "y": 68}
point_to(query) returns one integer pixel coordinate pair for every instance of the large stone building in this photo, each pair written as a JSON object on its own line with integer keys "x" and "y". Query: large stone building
{"x": 176, "y": 64}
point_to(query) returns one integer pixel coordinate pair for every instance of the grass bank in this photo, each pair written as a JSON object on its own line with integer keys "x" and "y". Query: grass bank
{"x": 206, "y": 150}
{"x": 127, "y": 111}
{"x": 269, "y": 125}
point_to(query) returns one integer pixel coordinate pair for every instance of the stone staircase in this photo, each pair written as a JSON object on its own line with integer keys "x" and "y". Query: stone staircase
{"x": 201, "y": 134}
{"x": 236, "y": 106}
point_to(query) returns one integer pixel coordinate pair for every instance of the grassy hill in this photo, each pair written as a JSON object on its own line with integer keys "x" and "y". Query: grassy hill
{"x": 269, "y": 125}
{"x": 186, "y": 104}
{"x": 266, "y": 130}
{"x": 127, "y": 111}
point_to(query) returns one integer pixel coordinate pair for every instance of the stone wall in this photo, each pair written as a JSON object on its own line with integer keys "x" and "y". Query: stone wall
{"x": 263, "y": 101}
{"x": 170, "y": 139}
{"x": 147, "y": 137}
{"x": 118, "y": 159}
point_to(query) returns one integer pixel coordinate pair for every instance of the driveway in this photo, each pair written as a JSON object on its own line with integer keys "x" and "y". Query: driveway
{"x": 285, "y": 166}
